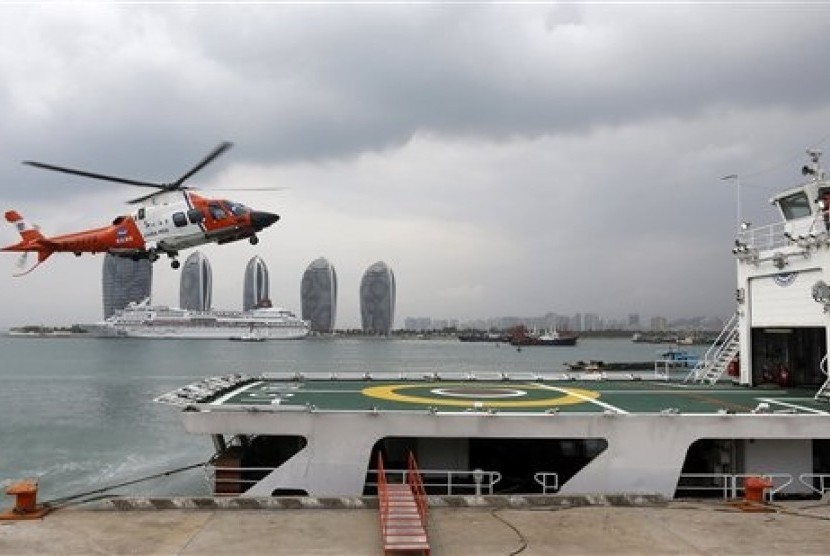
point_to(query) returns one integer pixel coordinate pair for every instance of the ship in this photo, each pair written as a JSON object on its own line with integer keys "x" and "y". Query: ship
{"x": 521, "y": 336}
{"x": 143, "y": 320}
{"x": 480, "y": 336}
{"x": 754, "y": 406}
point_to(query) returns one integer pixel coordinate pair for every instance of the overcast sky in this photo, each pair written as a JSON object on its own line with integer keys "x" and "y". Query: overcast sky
{"x": 501, "y": 159}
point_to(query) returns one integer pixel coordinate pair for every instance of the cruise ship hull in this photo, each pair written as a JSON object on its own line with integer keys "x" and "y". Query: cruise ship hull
{"x": 185, "y": 333}
{"x": 141, "y": 320}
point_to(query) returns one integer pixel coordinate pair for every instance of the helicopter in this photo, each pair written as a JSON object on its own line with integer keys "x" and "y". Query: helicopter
{"x": 167, "y": 221}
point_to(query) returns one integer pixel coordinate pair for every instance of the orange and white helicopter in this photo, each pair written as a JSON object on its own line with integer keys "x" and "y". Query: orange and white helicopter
{"x": 169, "y": 220}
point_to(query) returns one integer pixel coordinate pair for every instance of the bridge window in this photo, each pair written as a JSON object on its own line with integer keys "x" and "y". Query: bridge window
{"x": 795, "y": 206}
{"x": 195, "y": 216}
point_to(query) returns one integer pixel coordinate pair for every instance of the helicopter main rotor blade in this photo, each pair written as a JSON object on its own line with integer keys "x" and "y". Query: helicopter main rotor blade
{"x": 139, "y": 200}
{"x": 207, "y": 160}
{"x": 92, "y": 174}
{"x": 248, "y": 188}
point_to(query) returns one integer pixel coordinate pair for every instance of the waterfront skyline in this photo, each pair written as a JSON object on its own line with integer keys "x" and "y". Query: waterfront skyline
{"x": 503, "y": 159}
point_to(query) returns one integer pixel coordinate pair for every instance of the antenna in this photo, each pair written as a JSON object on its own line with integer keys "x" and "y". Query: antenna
{"x": 814, "y": 169}
{"x": 737, "y": 179}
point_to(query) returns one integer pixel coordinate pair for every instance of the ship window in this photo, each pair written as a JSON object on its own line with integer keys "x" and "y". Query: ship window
{"x": 795, "y": 206}
{"x": 195, "y": 216}
{"x": 216, "y": 212}
{"x": 179, "y": 219}
{"x": 141, "y": 213}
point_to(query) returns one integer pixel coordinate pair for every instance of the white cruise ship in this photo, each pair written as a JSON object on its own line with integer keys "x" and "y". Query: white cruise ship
{"x": 142, "y": 320}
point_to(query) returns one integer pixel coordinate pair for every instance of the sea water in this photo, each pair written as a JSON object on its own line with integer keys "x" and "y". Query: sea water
{"x": 77, "y": 414}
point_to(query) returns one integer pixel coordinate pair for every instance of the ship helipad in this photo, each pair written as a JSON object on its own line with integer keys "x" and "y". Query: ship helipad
{"x": 586, "y": 434}
{"x": 533, "y": 396}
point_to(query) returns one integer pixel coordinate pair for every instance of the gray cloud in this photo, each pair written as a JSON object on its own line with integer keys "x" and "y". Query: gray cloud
{"x": 582, "y": 143}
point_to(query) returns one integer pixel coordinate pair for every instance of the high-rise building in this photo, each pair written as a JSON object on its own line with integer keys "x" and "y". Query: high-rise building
{"x": 318, "y": 295}
{"x": 255, "y": 288}
{"x": 196, "y": 283}
{"x": 377, "y": 299}
{"x": 125, "y": 280}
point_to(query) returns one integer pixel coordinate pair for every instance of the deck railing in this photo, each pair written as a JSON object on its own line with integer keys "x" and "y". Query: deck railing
{"x": 731, "y": 485}
{"x": 416, "y": 483}
{"x": 236, "y": 480}
{"x": 232, "y": 481}
{"x": 383, "y": 496}
{"x": 766, "y": 237}
{"x": 448, "y": 481}
{"x": 818, "y": 483}
{"x": 549, "y": 481}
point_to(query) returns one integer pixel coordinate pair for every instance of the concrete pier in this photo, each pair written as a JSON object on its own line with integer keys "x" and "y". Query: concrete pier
{"x": 478, "y": 528}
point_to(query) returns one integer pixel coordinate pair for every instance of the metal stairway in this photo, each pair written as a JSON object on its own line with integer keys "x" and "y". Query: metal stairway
{"x": 823, "y": 394}
{"x": 718, "y": 357}
{"x": 404, "y": 511}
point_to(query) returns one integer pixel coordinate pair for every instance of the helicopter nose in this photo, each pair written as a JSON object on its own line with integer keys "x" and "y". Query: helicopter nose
{"x": 262, "y": 220}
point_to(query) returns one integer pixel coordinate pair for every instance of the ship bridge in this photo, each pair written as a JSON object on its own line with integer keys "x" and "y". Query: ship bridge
{"x": 783, "y": 300}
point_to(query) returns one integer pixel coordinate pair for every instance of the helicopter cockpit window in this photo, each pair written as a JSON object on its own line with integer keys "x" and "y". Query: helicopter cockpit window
{"x": 179, "y": 219}
{"x": 195, "y": 216}
{"x": 238, "y": 209}
{"x": 216, "y": 212}
{"x": 795, "y": 206}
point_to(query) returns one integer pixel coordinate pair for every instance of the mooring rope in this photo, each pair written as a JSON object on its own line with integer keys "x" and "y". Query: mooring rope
{"x": 522, "y": 539}
{"x": 65, "y": 500}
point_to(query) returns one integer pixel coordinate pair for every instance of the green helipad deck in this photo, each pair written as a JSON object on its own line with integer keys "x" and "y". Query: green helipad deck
{"x": 510, "y": 396}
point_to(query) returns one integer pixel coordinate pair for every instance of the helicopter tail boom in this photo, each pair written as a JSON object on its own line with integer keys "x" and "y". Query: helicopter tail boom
{"x": 32, "y": 240}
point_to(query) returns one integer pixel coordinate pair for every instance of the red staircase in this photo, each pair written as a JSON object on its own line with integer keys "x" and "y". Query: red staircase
{"x": 404, "y": 511}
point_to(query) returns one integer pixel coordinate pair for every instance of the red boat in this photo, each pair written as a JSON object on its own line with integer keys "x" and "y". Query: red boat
{"x": 521, "y": 336}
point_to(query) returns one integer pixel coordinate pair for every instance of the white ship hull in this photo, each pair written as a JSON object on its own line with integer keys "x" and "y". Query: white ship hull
{"x": 217, "y": 333}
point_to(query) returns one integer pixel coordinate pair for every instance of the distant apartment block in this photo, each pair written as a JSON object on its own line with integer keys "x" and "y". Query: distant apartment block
{"x": 592, "y": 322}
{"x": 377, "y": 299}
{"x": 255, "y": 291}
{"x": 659, "y": 324}
{"x": 417, "y": 323}
{"x": 318, "y": 295}
{"x": 125, "y": 280}
{"x": 196, "y": 283}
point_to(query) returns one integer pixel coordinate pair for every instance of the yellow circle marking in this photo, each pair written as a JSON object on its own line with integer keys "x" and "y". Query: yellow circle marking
{"x": 391, "y": 392}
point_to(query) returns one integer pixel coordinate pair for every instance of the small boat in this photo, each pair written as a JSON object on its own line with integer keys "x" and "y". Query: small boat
{"x": 478, "y": 336}
{"x": 679, "y": 357}
{"x": 586, "y": 365}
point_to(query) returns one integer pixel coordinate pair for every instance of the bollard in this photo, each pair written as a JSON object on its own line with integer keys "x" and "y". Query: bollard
{"x": 25, "y": 507}
{"x": 754, "y": 488}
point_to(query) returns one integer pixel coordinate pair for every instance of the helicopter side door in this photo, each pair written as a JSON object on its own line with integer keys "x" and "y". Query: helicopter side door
{"x": 172, "y": 227}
